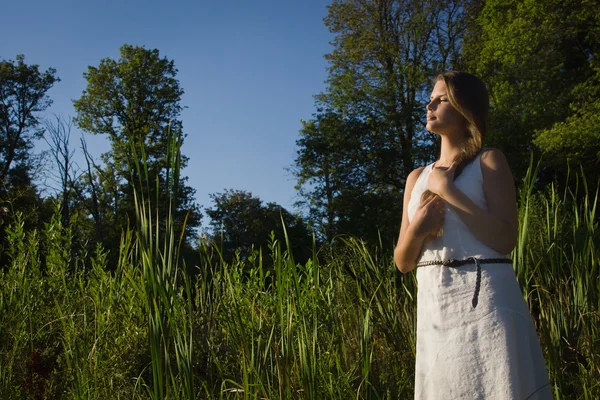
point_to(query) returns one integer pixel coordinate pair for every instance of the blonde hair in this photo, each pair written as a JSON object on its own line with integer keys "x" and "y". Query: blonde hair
{"x": 469, "y": 96}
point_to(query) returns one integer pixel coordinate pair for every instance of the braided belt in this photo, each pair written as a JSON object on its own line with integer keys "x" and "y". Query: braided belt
{"x": 471, "y": 260}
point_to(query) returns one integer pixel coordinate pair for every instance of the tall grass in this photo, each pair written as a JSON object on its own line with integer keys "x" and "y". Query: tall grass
{"x": 558, "y": 258}
{"x": 340, "y": 326}
{"x": 159, "y": 278}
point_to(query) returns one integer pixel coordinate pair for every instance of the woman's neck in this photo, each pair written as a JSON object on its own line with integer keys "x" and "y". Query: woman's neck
{"x": 451, "y": 147}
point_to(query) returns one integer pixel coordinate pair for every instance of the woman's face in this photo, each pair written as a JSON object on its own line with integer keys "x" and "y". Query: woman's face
{"x": 442, "y": 118}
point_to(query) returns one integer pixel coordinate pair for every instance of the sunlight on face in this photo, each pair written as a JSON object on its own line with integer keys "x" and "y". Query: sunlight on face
{"x": 442, "y": 117}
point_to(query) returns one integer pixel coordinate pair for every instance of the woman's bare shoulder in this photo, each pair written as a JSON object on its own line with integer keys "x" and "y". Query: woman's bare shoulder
{"x": 498, "y": 181}
{"x": 414, "y": 175}
{"x": 494, "y": 159}
{"x": 411, "y": 180}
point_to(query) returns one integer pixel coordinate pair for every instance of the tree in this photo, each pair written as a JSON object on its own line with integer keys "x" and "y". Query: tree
{"x": 386, "y": 53}
{"x": 23, "y": 97}
{"x": 335, "y": 170}
{"x": 88, "y": 182}
{"x": 576, "y": 139}
{"x": 240, "y": 221}
{"x": 539, "y": 59}
{"x": 59, "y": 135}
{"x": 316, "y": 160}
{"x": 135, "y": 101}
{"x": 98, "y": 196}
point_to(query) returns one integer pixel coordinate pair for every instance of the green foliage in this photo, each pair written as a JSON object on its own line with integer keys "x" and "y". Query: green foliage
{"x": 261, "y": 318}
{"x": 337, "y": 180}
{"x": 341, "y": 325}
{"x": 557, "y": 265}
{"x": 241, "y": 223}
{"x": 23, "y": 97}
{"x": 65, "y": 320}
{"x": 539, "y": 61}
{"x": 576, "y": 140}
{"x": 135, "y": 101}
{"x": 384, "y": 58}
{"x": 160, "y": 279}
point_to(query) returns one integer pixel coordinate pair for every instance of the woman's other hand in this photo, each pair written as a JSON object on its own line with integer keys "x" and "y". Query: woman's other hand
{"x": 429, "y": 217}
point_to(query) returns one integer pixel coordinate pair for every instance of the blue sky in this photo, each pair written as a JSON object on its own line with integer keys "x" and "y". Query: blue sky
{"x": 249, "y": 70}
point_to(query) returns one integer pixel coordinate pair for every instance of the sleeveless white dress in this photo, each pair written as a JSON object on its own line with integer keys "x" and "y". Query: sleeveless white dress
{"x": 463, "y": 352}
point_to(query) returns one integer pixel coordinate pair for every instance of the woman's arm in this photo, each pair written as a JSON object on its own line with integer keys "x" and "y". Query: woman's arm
{"x": 428, "y": 218}
{"x": 497, "y": 226}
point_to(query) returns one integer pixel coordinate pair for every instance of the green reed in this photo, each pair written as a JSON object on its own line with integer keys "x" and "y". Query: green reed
{"x": 557, "y": 266}
{"x": 340, "y": 326}
{"x": 158, "y": 276}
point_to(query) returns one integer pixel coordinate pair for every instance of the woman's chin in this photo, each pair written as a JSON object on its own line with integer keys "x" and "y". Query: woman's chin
{"x": 431, "y": 127}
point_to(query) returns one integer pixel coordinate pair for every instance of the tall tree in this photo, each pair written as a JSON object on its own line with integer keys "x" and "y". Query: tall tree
{"x": 23, "y": 96}
{"x": 386, "y": 53}
{"x": 334, "y": 171}
{"x": 540, "y": 61}
{"x": 316, "y": 161}
{"x": 135, "y": 101}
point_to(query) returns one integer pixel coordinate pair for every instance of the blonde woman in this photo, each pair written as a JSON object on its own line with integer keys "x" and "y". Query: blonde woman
{"x": 475, "y": 336}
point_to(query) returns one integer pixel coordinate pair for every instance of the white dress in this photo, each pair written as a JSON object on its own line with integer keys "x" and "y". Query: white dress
{"x": 488, "y": 352}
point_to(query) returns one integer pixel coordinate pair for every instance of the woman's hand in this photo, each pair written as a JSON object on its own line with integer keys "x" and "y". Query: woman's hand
{"x": 441, "y": 178}
{"x": 496, "y": 225}
{"x": 429, "y": 217}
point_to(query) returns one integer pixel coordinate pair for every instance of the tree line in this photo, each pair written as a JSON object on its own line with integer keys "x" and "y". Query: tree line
{"x": 539, "y": 60}
{"x": 134, "y": 101}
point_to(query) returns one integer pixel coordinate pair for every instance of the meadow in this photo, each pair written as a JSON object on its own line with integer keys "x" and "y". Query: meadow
{"x": 340, "y": 326}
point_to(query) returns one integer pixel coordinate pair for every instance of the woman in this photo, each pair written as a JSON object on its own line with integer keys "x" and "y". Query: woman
{"x": 475, "y": 336}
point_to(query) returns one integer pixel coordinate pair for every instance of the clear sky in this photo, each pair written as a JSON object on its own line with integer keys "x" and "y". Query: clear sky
{"x": 249, "y": 69}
